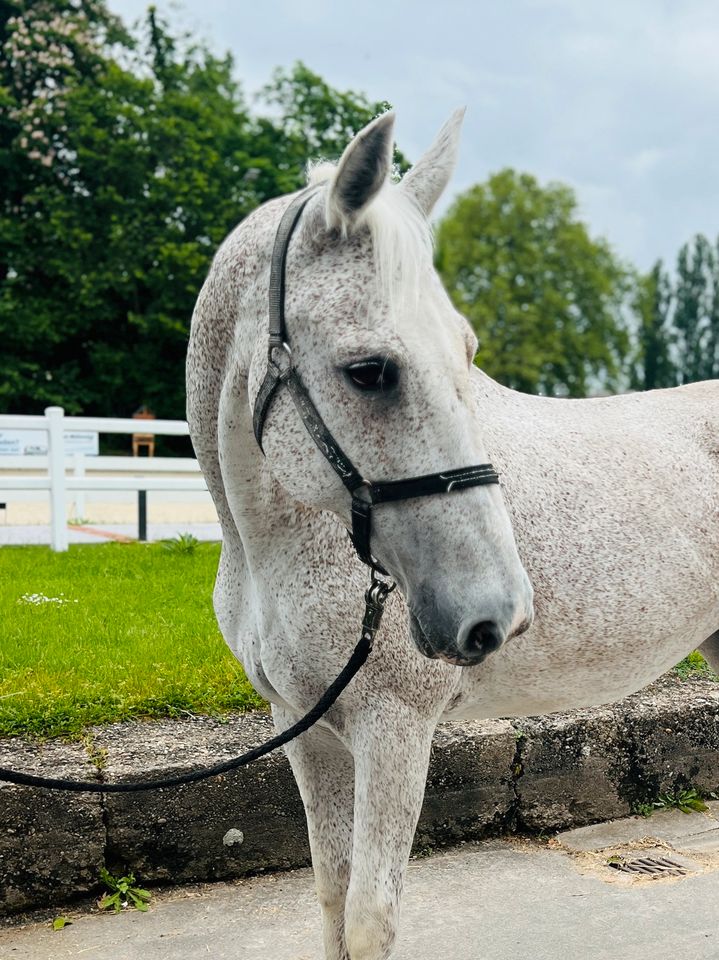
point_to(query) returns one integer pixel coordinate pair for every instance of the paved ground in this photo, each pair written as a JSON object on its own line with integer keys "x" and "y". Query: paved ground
{"x": 498, "y": 900}
{"x": 103, "y": 532}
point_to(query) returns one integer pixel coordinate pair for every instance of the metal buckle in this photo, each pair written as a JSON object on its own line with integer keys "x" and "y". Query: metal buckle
{"x": 380, "y": 587}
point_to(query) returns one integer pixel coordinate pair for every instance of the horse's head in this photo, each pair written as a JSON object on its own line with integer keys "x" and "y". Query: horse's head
{"x": 386, "y": 359}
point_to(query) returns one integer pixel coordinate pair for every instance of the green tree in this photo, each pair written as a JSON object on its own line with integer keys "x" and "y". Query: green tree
{"x": 544, "y": 298}
{"x": 47, "y": 48}
{"x": 713, "y": 338}
{"x": 696, "y": 314}
{"x": 317, "y": 121}
{"x": 126, "y": 160}
{"x": 652, "y": 303}
{"x": 132, "y": 181}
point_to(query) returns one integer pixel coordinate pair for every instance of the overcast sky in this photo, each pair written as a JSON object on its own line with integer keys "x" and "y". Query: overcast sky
{"x": 619, "y": 98}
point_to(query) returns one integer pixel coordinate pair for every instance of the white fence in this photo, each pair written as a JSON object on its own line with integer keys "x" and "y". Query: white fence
{"x": 58, "y": 484}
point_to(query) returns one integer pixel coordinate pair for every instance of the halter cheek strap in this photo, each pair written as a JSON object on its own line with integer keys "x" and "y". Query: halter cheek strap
{"x": 281, "y": 371}
{"x": 278, "y": 352}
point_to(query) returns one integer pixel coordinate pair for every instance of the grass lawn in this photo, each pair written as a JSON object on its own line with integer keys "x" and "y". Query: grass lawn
{"x": 135, "y": 636}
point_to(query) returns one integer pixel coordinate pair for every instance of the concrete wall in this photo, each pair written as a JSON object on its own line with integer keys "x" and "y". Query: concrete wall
{"x": 534, "y": 776}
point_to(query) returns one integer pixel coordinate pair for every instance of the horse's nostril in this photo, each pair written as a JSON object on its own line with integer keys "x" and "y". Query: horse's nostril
{"x": 484, "y": 638}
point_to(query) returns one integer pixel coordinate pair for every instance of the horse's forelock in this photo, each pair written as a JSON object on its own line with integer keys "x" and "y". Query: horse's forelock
{"x": 401, "y": 241}
{"x": 320, "y": 171}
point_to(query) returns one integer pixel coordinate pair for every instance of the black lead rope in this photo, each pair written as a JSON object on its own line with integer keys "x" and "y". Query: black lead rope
{"x": 375, "y": 599}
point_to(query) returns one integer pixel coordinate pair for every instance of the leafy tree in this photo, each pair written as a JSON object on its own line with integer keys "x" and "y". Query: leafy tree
{"x": 125, "y": 162}
{"x": 696, "y": 314}
{"x": 317, "y": 122}
{"x": 713, "y": 338}
{"x": 544, "y": 298}
{"x": 46, "y": 49}
{"x": 132, "y": 181}
{"x": 652, "y": 303}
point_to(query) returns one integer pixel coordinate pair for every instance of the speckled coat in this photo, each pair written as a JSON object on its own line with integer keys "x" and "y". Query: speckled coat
{"x": 609, "y": 508}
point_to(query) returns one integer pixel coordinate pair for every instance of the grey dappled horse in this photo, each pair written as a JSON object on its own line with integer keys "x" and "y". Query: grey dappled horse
{"x": 613, "y": 504}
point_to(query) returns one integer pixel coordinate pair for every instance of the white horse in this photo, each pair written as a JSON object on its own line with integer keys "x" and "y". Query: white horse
{"x": 614, "y": 504}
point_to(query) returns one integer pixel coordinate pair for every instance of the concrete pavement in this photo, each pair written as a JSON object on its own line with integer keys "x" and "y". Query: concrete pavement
{"x": 494, "y": 900}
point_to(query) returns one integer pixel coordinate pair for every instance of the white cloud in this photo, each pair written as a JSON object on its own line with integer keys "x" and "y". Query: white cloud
{"x": 618, "y": 99}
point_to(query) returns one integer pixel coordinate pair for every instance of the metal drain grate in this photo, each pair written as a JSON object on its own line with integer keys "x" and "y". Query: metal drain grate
{"x": 651, "y": 867}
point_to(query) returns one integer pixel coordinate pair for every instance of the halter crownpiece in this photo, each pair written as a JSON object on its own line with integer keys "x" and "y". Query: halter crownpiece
{"x": 281, "y": 370}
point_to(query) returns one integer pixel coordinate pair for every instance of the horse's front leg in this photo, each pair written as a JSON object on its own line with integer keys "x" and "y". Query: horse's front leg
{"x": 391, "y": 752}
{"x": 324, "y": 772}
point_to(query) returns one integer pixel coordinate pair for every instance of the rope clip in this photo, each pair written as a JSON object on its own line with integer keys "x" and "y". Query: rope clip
{"x": 375, "y": 599}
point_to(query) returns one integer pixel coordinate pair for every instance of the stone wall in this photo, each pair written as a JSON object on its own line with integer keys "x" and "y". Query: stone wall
{"x": 535, "y": 775}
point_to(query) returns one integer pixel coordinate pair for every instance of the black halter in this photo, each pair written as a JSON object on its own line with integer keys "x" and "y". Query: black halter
{"x": 364, "y": 496}
{"x": 281, "y": 370}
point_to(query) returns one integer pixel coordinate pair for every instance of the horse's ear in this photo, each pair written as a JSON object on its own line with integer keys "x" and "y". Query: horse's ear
{"x": 360, "y": 174}
{"x": 427, "y": 179}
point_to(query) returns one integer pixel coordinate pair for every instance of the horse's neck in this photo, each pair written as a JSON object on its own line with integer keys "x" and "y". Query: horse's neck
{"x": 487, "y": 389}
{"x": 271, "y": 525}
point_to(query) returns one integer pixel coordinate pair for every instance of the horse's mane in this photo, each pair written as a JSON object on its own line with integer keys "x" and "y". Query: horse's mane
{"x": 401, "y": 239}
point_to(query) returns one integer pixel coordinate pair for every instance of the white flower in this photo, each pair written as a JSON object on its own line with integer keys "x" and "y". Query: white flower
{"x": 37, "y": 598}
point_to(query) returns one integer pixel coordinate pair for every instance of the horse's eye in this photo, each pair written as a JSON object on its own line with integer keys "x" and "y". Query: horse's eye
{"x": 376, "y": 375}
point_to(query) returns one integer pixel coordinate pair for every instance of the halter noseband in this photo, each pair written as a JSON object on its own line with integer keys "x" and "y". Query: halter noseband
{"x": 281, "y": 370}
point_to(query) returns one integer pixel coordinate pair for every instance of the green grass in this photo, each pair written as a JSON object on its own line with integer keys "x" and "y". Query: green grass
{"x": 695, "y": 665}
{"x": 141, "y": 641}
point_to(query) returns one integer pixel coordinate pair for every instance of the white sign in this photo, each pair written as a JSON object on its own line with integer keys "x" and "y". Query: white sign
{"x": 18, "y": 443}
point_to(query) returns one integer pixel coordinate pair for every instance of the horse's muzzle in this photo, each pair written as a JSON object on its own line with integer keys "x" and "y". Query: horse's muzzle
{"x": 473, "y": 645}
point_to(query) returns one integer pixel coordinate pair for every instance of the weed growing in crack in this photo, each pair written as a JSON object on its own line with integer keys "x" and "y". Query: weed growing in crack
{"x": 123, "y": 894}
{"x": 688, "y": 801}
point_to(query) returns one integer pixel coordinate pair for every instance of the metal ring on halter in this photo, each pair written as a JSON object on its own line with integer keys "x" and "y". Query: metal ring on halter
{"x": 276, "y": 346}
{"x": 377, "y": 575}
{"x": 364, "y": 485}
{"x": 379, "y": 590}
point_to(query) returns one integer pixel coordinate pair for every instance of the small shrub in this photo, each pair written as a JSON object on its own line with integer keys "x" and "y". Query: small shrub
{"x": 182, "y": 543}
{"x": 694, "y": 665}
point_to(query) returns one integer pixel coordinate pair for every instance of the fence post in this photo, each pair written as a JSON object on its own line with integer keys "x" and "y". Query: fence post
{"x": 142, "y": 515}
{"x": 56, "y": 470}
